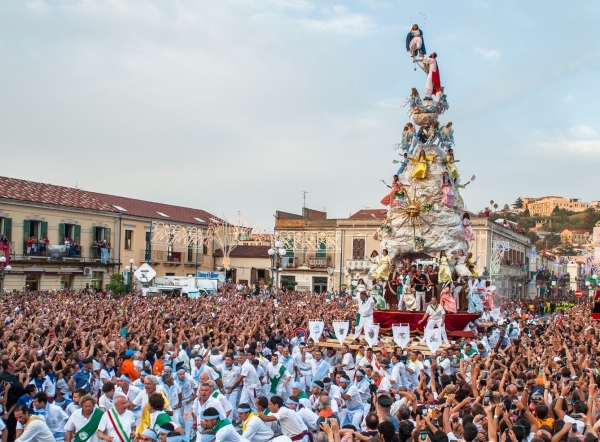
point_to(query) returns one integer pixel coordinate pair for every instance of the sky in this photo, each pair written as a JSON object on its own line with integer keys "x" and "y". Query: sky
{"x": 238, "y": 106}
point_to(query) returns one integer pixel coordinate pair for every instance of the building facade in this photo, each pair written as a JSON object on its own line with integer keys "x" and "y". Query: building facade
{"x": 545, "y": 205}
{"x": 574, "y": 236}
{"x": 502, "y": 256}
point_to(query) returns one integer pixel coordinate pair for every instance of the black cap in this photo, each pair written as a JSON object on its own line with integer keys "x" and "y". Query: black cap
{"x": 87, "y": 360}
{"x": 385, "y": 401}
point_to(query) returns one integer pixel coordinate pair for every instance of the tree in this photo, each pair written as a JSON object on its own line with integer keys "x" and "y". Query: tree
{"x": 519, "y": 203}
{"x": 566, "y": 249}
{"x": 495, "y": 206}
{"x": 533, "y": 237}
{"x": 556, "y": 210}
{"x": 117, "y": 283}
{"x": 526, "y": 213}
{"x": 506, "y": 208}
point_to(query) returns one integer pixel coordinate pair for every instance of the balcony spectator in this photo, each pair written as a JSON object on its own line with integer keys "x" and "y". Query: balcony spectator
{"x": 95, "y": 250}
{"x": 5, "y": 247}
{"x": 28, "y": 243}
{"x": 104, "y": 252}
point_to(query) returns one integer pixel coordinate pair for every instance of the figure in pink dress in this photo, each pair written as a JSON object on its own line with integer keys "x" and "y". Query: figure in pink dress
{"x": 396, "y": 186}
{"x": 447, "y": 300}
{"x": 488, "y": 293}
{"x": 448, "y": 195}
{"x": 468, "y": 231}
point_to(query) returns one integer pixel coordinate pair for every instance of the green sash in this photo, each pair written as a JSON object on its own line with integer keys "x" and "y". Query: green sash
{"x": 302, "y": 395}
{"x": 276, "y": 379}
{"x": 357, "y": 319}
{"x": 213, "y": 367}
{"x": 220, "y": 424}
{"x": 266, "y": 412}
{"x": 89, "y": 429}
{"x": 118, "y": 427}
{"x": 162, "y": 419}
{"x": 215, "y": 394}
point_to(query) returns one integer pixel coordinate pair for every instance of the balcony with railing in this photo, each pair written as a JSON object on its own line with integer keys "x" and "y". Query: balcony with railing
{"x": 319, "y": 262}
{"x": 167, "y": 256}
{"x": 73, "y": 253}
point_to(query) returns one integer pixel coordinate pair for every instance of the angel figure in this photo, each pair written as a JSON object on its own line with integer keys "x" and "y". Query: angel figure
{"x": 447, "y": 301}
{"x": 433, "y": 83}
{"x": 488, "y": 293}
{"x": 361, "y": 287}
{"x": 444, "y": 273}
{"x": 396, "y": 186}
{"x": 433, "y": 134}
{"x": 408, "y": 138}
{"x": 474, "y": 298}
{"x": 420, "y": 170}
{"x": 450, "y": 164}
{"x": 379, "y": 301}
{"x": 403, "y": 164}
{"x": 384, "y": 266}
{"x": 467, "y": 229}
{"x": 374, "y": 260}
{"x": 415, "y": 45}
{"x": 447, "y": 136}
{"x": 448, "y": 196}
{"x": 460, "y": 267}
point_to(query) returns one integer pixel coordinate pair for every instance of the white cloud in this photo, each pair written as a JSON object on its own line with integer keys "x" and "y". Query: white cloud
{"x": 340, "y": 20}
{"x": 488, "y": 54}
{"x": 583, "y": 131}
{"x": 569, "y": 98}
{"x": 585, "y": 147}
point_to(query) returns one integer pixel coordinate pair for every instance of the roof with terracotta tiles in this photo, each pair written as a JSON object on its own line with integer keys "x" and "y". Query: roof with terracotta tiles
{"x": 245, "y": 252}
{"x": 148, "y": 209}
{"x": 23, "y": 190}
{"x": 369, "y": 214}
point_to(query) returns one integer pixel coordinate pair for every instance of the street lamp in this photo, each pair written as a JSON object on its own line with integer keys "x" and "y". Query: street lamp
{"x": 3, "y": 267}
{"x": 130, "y": 275}
{"x": 276, "y": 253}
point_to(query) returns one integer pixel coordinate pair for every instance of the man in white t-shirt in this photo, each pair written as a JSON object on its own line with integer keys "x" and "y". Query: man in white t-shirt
{"x": 36, "y": 428}
{"x": 435, "y": 316}
{"x": 118, "y": 422}
{"x": 290, "y": 423}
{"x": 250, "y": 379}
{"x": 413, "y": 371}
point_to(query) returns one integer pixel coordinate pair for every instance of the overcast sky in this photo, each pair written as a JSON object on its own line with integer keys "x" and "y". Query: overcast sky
{"x": 240, "y": 105}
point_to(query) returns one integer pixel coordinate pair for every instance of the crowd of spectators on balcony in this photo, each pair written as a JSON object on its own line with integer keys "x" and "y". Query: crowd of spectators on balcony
{"x": 73, "y": 247}
{"x": 509, "y": 263}
{"x": 36, "y": 246}
{"x": 101, "y": 250}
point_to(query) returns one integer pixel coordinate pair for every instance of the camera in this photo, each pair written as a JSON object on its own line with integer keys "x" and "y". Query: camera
{"x": 423, "y": 435}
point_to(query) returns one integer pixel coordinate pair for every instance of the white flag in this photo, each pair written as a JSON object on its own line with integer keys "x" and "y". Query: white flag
{"x": 341, "y": 330}
{"x": 495, "y": 313}
{"x": 401, "y": 334}
{"x": 372, "y": 334}
{"x": 315, "y": 330}
{"x": 433, "y": 338}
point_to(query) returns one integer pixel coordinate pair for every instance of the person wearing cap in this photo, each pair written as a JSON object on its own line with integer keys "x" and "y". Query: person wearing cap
{"x": 353, "y": 402}
{"x": 278, "y": 375}
{"x": 84, "y": 377}
{"x": 224, "y": 431}
{"x": 290, "y": 426}
{"x": 253, "y": 428}
{"x": 308, "y": 417}
{"x": 118, "y": 423}
{"x": 251, "y": 383}
{"x": 383, "y": 406}
{"x": 188, "y": 387}
{"x": 365, "y": 312}
{"x": 435, "y": 316}
{"x": 127, "y": 366}
{"x": 303, "y": 360}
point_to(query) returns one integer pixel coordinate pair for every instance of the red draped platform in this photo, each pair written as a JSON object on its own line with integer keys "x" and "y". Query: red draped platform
{"x": 455, "y": 322}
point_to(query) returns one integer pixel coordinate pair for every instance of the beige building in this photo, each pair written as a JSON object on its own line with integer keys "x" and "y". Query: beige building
{"x": 574, "y": 236}
{"x": 249, "y": 264}
{"x": 85, "y": 237}
{"x": 325, "y": 254}
{"x": 545, "y": 205}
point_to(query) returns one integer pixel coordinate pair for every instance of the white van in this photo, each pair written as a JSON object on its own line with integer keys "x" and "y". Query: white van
{"x": 191, "y": 292}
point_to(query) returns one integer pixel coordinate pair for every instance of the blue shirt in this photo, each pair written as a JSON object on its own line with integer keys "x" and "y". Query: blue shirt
{"x": 83, "y": 380}
{"x": 25, "y": 400}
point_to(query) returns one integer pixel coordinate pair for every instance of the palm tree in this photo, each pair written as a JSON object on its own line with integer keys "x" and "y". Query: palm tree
{"x": 495, "y": 206}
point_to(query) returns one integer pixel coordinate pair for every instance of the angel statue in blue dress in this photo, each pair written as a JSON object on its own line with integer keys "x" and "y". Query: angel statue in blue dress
{"x": 415, "y": 45}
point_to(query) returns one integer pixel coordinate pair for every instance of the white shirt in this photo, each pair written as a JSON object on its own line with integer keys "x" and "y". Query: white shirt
{"x": 37, "y": 431}
{"x": 127, "y": 422}
{"x": 56, "y": 418}
{"x": 435, "y": 314}
{"x": 229, "y": 375}
{"x": 309, "y": 418}
{"x": 257, "y": 430}
{"x": 142, "y": 398}
{"x": 210, "y": 402}
{"x": 413, "y": 377}
{"x": 196, "y": 372}
{"x": 348, "y": 361}
{"x": 290, "y": 425}
{"x": 105, "y": 402}
{"x": 250, "y": 376}
{"x": 76, "y": 422}
{"x": 274, "y": 372}
{"x": 365, "y": 308}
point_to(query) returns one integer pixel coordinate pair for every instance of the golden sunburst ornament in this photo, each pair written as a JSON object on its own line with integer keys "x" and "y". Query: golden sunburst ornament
{"x": 413, "y": 211}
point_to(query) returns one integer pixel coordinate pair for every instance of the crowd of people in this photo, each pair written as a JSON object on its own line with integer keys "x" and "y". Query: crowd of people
{"x": 80, "y": 366}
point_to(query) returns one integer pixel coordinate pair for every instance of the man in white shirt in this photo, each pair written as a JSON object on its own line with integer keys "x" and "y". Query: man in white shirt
{"x": 106, "y": 400}
{"x": 347, "y": 363}
{"x": 291, "y": 425}
{"x": 118, "y": 422}
{"x": 278, "y": 376}
{"x": 435, "y": 316}
{"x": 54, "y": 416}
{"x": 203, "y": 402}
{"x": 353, "y": 400}
{"x": 36, "y": 429}
{"x": 253, "y": 428}
{"x": 230, "y": 373}
{"x": 365, "y": 310}
{"x": 308, "y": 417}
{"x": 413, "y": 371}
{"x": 251, "y": 383}
{"x": 131, "y": 391}
{"x": 303, "y": 360}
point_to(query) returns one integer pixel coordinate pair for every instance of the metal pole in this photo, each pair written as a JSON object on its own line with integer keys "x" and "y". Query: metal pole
{"x": 149, "y": 245}
{"x": 342, "y": 258}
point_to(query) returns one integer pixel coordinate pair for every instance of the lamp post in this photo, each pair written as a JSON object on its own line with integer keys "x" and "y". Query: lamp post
{"x": 130, "y": 269}
{"x": 3, "y": 267}
{"x": 276, "y": 254}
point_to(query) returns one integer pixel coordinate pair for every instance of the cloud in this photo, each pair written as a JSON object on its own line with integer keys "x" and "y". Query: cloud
{"x": 488, "y": 54}
{"x": 583, "y": 131}
{"x": 341, "y": 20}
{"x": 569, "y": 98}
{"x": 586, "y": 147}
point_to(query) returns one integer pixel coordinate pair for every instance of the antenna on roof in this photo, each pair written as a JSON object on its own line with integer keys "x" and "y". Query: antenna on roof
{"x": 304, "y": 192}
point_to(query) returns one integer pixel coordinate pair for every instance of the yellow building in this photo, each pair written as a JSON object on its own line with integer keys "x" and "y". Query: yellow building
{"x": 545, "y": 205}
{"x": 38, "y": 218}
{"x": 573, "y": 236}
{"x": 81, "y": 238}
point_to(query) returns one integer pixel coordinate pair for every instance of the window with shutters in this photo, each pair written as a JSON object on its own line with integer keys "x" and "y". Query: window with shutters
{"x": 68, "y": 232}
{"x": 128, "y": 239}
{"x": 6, "y": 227}
{"x": 358, "y": 248}
{"x": 321, "y": 249}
